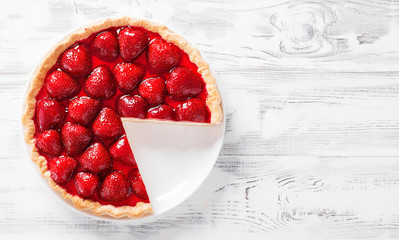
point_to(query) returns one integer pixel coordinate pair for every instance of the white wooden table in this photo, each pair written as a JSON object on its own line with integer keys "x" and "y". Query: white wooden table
{"x": 311, "y": 92}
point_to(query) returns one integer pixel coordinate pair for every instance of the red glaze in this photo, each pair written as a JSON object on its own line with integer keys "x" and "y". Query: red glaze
{"x": 53, "y": 115}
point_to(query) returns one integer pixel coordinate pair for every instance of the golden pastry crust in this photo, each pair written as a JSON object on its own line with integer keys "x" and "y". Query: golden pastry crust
{"x": 213, "y": 101}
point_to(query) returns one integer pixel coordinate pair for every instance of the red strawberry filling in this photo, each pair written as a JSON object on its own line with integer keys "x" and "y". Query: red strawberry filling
{"x": 121, "y": 71}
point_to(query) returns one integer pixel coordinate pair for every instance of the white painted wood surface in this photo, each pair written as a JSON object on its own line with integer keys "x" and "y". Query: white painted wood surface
{"x": 311, "y": 91}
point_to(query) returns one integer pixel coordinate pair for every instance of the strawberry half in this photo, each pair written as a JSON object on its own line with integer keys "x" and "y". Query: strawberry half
{"x": 163, "y": 111}
{"x": 128, "y": 75}
{"x": 115, "y": 187}
{"x": 132, "y": 43}
{"x": 137, "y": 184}
{"x": 83, "y": 109}
{"x": 108, "y": 124}
{"x": 105, "y": 45}
{"x": 193, "y": 110}
{"x": 62, "y": 169}
{"x": 132, "y": 106}
{"x": 76, "y": 61}
{"x": 153, "y": 90}
{"x": 49, "y": 142}
{"x": 162, "y": 56}
{"x": 86, "y": 184}
{"x": 49, "y": 114}
{"x": 75, "y": 138}
{"x": 183, "y": 83}
{"x": 120, "y": 151}
{"x": 100, "y": 84}
{"x": 96, "y": 159}
{"x": 61, "y": 86}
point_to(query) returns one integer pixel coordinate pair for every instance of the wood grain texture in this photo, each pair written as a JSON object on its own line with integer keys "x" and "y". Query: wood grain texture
{"x": 311, "y": 93}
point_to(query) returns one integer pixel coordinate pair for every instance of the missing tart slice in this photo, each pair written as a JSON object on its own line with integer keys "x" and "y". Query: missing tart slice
{"x": 115, "y": 68}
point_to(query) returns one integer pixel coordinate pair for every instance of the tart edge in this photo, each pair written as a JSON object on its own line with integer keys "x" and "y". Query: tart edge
{"x": 213, "y": 102}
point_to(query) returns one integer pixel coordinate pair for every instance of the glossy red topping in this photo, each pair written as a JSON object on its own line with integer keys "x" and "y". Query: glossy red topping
{"x": 100, "y": 79}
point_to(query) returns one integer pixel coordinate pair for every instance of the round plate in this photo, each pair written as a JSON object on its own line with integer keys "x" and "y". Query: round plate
{"x": 183, "y": 177}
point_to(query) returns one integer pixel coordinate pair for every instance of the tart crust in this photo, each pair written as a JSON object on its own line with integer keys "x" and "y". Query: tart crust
{"x": 213, "y": 102}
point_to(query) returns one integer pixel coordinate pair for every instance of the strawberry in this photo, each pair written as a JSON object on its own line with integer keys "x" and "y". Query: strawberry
{"x": 120, "y": 151}
{"x": 75, "y": 138}
{"x": 128, "y": 75}
{"x": 62, "y": 169}
{"x": 163, "y": 111}
{"x": 115, "y": 187}
{"x": 49, "y": 142}
{"x": 136, "y": 182}
{"x": 49, "y": 114}
{"x": 153, "y": 90}
{"x": 86, "y": 183}
{"x": 105, "y": 45}
{"x": 100, "y": 84}
{"x": 132, "y": 43}
{"x": 83, "y": 109}
{"x": 108, "y": 124}
{"x": 76, "y": 61}
{"x": 162, "y": 56}
{"x": 193, "y": 110}
{"x": 96, "y": 159}
{"x": 132, "y": 106}
{"x": 183, "y": 83}
{"x": 60, "y": 85}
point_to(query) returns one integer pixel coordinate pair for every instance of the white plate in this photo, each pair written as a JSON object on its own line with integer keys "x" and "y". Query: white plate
{"x": 174, "y": 160}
